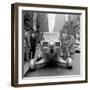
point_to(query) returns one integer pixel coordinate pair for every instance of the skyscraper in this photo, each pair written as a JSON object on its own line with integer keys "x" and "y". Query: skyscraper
{"x": 59, "y": 22}
{"x": 42, "y": 21}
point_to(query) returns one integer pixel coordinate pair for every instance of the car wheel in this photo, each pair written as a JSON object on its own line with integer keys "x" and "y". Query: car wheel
{"x": 69, "y": 63}
{"x": 32, "y": 64}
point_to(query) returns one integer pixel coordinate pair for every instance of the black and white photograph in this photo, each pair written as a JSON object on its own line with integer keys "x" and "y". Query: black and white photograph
{"x": 51, "y": 44}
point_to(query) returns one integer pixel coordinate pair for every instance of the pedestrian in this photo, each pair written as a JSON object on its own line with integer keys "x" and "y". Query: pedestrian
{"x": 71, "y": 44}
{"x": 64, "y": 48}
{"x": 33, "y": 45}
{"x": 26, "y": 45}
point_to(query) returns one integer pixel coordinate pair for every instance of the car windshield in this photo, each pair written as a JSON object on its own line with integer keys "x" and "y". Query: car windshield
{"x": 51, "y": 37}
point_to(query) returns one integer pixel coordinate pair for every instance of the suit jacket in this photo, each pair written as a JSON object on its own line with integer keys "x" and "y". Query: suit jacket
{"x": 33, "y": 42}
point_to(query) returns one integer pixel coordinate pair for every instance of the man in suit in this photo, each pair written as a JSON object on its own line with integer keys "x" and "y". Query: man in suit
{"x": 33, "y": 45}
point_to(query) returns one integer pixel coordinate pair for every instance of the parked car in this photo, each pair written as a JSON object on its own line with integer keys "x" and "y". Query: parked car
{"x": 51, "y": 52}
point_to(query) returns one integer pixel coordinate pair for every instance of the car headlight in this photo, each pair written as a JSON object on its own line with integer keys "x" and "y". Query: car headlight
{"x": 51, "y": 43}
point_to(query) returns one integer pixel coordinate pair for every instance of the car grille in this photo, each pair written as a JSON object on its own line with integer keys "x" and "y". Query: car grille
{"x": 51, "y": 50}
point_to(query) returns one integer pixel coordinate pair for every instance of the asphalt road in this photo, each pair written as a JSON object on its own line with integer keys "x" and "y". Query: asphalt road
{"x": 58, "y": 71}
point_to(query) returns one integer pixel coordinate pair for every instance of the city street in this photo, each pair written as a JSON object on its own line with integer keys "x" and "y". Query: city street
{"x": 58, "y": 71}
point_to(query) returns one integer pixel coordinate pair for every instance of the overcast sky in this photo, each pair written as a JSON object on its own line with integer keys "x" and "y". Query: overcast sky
{"x": 51, "y": 21}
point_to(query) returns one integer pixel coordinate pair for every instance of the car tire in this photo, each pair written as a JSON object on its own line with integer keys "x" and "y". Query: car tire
{"x": 32, "y": 65}
{"x": 69, "y": 63}
{"x": 69, "y": 67}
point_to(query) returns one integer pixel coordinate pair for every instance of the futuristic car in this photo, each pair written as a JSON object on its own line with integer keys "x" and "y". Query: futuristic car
{"x": 50, "y": 52}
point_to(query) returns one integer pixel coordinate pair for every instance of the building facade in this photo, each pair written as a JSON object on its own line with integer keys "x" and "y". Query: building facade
{"x": 59, "y": 22}
{"x": 73, "y": 25}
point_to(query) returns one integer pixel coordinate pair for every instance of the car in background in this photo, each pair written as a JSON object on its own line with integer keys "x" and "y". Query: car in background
{"x": 77, "y": 46}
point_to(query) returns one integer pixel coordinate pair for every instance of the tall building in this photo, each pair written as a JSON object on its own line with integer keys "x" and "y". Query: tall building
{"x": 32, "y": 19}
{"x": 76, "y": 25}
{"x": 59, "y": 22}
{"x": 42, "y": 22}
{"x": 73, "y": 25}
{"x": 27, "y": 22}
